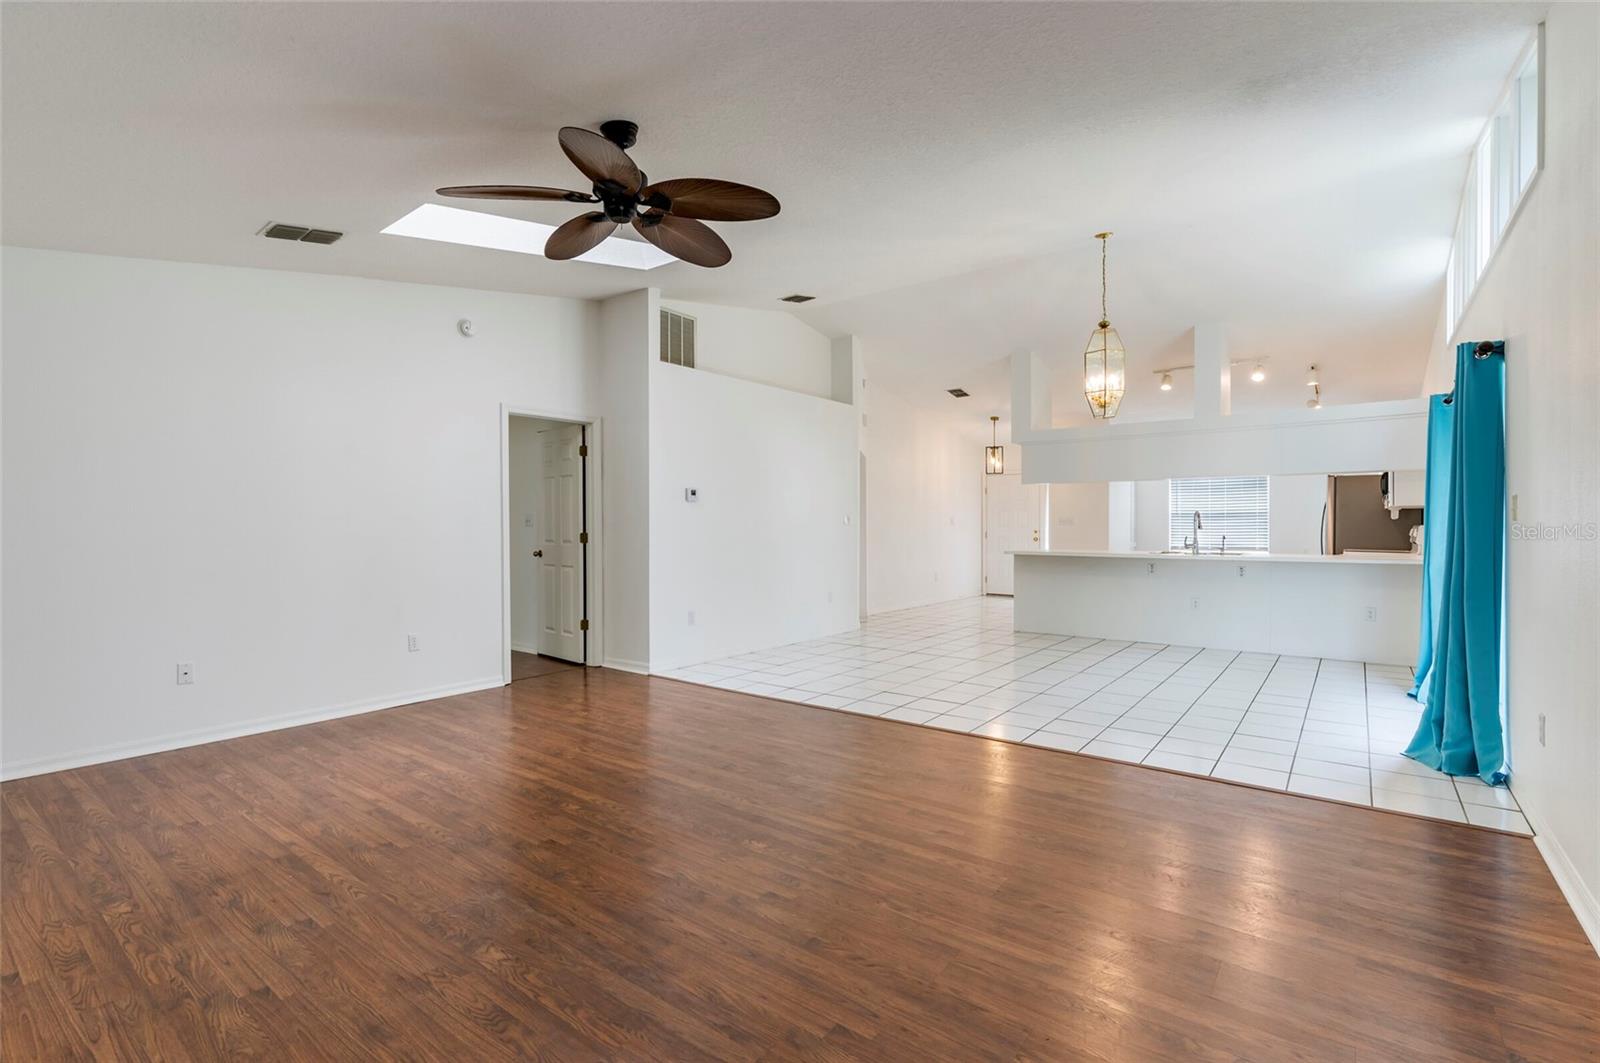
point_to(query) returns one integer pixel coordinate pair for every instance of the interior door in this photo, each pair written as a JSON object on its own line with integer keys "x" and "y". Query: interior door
{"x": 561, "y": 542}
{"x": 1013, "y": 519}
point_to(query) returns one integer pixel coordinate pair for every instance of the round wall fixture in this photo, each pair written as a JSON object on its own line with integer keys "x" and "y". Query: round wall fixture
{"x": 464, "y": 326}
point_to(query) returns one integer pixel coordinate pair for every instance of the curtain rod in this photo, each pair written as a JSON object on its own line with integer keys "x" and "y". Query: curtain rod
{"x": 1484, "y": 349}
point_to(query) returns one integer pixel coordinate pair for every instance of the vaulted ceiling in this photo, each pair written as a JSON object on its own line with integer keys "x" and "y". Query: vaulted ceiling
{"x": 1290, "y": 171}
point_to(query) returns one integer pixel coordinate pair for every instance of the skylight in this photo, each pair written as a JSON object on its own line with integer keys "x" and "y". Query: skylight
{"x": 452, "y": 225}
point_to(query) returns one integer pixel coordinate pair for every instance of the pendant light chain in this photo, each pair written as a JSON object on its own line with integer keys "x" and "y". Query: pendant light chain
{"x": 1105, "y": 318}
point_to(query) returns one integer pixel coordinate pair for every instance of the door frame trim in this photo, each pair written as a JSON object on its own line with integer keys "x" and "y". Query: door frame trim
{"x": 593, "y": 554}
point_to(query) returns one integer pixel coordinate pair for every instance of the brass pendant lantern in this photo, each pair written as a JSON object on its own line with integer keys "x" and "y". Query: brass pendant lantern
{"x": 994, "y": 456}
{"x": 1103, "y": 359}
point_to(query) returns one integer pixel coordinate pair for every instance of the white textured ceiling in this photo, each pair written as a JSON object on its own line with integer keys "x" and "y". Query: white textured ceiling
{"x": 1288, "y": 170}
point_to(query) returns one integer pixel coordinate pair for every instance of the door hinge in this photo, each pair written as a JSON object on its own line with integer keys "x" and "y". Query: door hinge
{"x": 583, "y": 538}
{"x": 583, "y": 625}
{"x": 583, "y": 450}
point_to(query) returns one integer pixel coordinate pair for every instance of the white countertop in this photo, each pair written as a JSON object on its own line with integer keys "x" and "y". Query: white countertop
{"x": 1368, "y": 558}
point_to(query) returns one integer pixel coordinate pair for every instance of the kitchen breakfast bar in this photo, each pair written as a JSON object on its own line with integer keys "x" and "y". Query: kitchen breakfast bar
{"x": 1357, "y": 607}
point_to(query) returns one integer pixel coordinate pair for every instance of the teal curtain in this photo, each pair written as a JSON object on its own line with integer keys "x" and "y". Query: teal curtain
{"x": 1460, "y": 732}
{"x": 1435, "y": 517}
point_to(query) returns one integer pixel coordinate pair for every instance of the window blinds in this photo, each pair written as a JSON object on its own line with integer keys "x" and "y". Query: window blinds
{"x": 1235, "y": 506}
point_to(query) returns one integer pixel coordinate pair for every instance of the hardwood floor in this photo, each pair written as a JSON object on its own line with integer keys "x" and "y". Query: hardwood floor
{"x": 599, "y": 865}
{"x": 534, "y": 665}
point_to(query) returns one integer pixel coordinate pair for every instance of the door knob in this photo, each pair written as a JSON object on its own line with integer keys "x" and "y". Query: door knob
{"x": 538, "y": 553}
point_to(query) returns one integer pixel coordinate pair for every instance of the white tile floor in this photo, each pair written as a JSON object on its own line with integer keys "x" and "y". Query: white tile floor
{"x": 1323, "y": 728}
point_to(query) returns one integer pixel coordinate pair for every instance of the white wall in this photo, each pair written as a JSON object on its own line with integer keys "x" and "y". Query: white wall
{"x": 629, "y": 346}
{"x": 276, "y": 476}
{"x": 1376, "y": 435}
{"x": 768, "y": 554}
{"x": 1295, "y": 513}
{"x": 1080, "y": 516}
{"x": 924, "y": 519}
{"x": 1311, "y": 608}
{"x": 1151, "y": 502}
{"x": 1539, "y": 295}
{"x": 1123, "y": 524}
{"x": 766, "y": 346}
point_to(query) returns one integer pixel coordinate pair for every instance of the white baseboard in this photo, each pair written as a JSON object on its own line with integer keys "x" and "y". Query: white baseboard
{"x": 525, "y": 649}
{"x": 622, "y": 664}
{"x": 204, "y": 735}
{"x": 871, "y": 612}
{"x": 1568, "y": 880}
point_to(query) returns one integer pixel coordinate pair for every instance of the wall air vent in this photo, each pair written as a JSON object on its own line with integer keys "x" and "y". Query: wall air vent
{"x": 677, "y": 338}
{"x": 302, "y": 234}
{"x": 959, "y": 393}
{"x": 798, "y": 298}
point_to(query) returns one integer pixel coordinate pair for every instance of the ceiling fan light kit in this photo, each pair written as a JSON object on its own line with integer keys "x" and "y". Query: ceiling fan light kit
{"x": 670, "y": 214}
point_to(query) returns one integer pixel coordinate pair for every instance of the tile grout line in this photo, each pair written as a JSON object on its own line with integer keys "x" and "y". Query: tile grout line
{"x": 1106, "y": 727}
{"x": 1198, "y": 651}
{"x": 1294, "y": 758}
{"x": 1256, "y": 694}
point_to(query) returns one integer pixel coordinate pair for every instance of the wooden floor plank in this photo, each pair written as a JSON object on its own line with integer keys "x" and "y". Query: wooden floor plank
{"x": 592, "y": 864}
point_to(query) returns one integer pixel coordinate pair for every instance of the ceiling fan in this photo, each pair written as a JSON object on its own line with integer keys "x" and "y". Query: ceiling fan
{"x": 670, "y": 214}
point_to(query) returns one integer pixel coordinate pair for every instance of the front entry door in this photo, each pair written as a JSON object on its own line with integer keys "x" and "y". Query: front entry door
{"x": 561, "y": 543}
{"x": 1013, "y": 518}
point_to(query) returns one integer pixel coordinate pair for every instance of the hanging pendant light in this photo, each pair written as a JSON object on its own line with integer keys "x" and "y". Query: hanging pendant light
{"x": 1103, "y": 358}
{"x": 994, "y": 456}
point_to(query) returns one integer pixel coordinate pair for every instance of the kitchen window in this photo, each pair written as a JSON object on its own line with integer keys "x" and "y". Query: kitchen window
{"x": 1235, "y": 506}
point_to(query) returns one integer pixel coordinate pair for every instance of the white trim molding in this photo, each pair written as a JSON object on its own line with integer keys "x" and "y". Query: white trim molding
{"x": 260, "y": 725}
{"x": 1568, "y": 880}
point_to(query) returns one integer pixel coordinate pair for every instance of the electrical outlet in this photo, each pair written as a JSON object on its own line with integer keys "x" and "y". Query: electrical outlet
{"x": 1241, "y": 572}
{"x": 412, "y": 645}
{"x": 691, "y": 618}
{"x": 1541, "y": 728}
{"x": 1372, "y": 613}
{"x": 1150, "y": 568}
{"x": 1194, "y": 603}
{"x": 186, "y": 677}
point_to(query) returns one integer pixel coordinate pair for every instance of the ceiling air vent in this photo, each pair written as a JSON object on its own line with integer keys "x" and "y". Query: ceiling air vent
{"x": 677, "y": 338}
{"x": 300, "y": 233}
{"x": 958, "y": 393}
{"x": 797, "y": 298}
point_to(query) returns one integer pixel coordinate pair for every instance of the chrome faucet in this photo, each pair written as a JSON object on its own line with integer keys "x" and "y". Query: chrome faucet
{"x": 1197, "y": 527}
